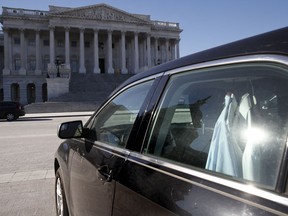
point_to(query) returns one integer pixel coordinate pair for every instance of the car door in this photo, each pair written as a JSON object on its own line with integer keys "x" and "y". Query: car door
{"x": 214, "y": 145}
{"x": 98, "y": 159}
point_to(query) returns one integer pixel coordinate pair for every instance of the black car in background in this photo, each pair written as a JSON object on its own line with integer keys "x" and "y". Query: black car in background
{"x": 202, "y": 135}
{"x": 11, "y": 110}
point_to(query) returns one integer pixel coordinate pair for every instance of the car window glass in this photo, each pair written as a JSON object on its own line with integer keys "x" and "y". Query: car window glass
{"x": 231, "y": 121}
{"x": 114, "y": 123}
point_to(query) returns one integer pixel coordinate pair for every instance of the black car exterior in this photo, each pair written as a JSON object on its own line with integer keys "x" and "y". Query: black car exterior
{"x": 11, "y": 110}
{"x": 202, "y": 135}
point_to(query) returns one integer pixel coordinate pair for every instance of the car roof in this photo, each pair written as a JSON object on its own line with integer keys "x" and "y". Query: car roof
{"x": 273, "y": 42}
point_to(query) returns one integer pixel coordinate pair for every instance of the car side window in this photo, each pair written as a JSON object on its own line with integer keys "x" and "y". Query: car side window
{"x": 115, "y": 121}
{"x": 231, "y": 121}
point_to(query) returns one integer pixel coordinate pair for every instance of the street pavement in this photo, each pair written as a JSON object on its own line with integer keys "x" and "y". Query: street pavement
{"x": 27, "y": 148}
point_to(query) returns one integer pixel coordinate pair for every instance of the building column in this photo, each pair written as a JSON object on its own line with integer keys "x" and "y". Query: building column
{"x": 6, "y": 70}
{"x": 156, "y": 51}
{"x": 123, "y": 53}
{"x": 52, "y": 48}
{"x": 82, "y": 52}
{"x": 67, "y": 48}
{"x": 167, "y": 50}
{"x": 10, "y": 67}
{"x": 38, "y": 53}
{"x": 177, "y": 49}
{"x": 22, "y": 70}
{"x": 96, "y": 52}
{"x": 149, "y": 50}
{"x": 172, "y": 52}
{"x": 110, "y": 55}
{"x": 136, "y": 53}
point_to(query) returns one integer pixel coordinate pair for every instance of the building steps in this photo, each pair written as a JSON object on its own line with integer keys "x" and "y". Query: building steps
{"x": 86, "y": 92}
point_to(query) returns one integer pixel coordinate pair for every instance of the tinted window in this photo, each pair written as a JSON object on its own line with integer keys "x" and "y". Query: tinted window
{"x": 230, "y": 120}
{"x": 114, "y": 123}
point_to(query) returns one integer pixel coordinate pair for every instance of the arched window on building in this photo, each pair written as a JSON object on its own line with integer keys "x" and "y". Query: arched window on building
{"x": 1, "y": 94}
{"x": 15, "y": 92}
{"x": 44, "y": 92}
{"x": 31, "y": 93}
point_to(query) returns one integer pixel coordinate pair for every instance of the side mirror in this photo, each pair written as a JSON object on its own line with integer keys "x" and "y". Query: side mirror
{"x": 69, "y": 130}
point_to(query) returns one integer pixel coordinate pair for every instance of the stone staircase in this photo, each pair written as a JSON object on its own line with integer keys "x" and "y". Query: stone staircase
{"x": 86, "y": 92}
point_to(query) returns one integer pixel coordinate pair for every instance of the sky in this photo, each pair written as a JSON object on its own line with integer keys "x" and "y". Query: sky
{"x": 205, "y": 23}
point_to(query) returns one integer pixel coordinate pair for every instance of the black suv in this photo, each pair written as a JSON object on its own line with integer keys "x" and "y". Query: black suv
{"x": 11, "y": 110}
{"x": 205, "y": 134}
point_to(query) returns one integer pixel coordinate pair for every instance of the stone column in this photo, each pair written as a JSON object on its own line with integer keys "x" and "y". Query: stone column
{"x": 167, "y": 49}
{"x": 123, "y": 54}
{"x": 22, "y": 70}
{"x": 110, "y": 55}
{"x": 10, "y": 67}
{"x": 96, "y": 52}
{"x": 82, "y": 52}
{"x": 6, "y": 70}
{"x": 67, "y": 48}
{"x": 149, "y": 50}
{"x": 177, "y": 49}
{"x": 136, "y": 53}
{"x": 52, "y": 48}
{"x": 156, "y": 51}
{"x": 38, "y": 53}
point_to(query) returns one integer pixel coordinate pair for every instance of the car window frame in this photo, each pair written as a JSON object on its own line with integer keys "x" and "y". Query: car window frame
{"x": 281, "y": 186}
{"x": 130, "y": 145}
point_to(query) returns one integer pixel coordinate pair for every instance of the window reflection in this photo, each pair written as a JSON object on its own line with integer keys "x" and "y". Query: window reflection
{"x": 114, "y": 123}
{"x": 229, "y": 120}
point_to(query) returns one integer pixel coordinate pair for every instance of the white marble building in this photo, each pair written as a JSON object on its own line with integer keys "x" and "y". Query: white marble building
{"x": 42, "y": 49}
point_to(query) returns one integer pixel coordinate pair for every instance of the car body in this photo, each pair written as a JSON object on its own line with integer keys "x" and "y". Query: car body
{"x": 202, "y": 135}
{"x": 11, "y": 110}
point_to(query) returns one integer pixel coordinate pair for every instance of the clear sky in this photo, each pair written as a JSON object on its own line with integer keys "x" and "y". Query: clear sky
{"x": 205, "y": 23}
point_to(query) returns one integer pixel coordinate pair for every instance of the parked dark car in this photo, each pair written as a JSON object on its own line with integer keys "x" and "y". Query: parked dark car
{"x": 202, "y": 135}
{"x": 11, "y": 110}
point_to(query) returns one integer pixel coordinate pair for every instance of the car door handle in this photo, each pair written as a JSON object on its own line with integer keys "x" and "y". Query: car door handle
{"x": 104, "y": 173}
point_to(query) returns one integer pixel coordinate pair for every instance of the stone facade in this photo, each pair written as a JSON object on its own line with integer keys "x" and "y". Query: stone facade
{"x": 97, "y": 39}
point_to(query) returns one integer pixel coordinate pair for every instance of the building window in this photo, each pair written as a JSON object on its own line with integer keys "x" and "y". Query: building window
{"x": 45, "y": 61}
{"x": 87, "y": 44}
{"x": 73, "y": 43}
{"x": 101, "y": 45}
{"x": 60, "y": 43}
{"x": 31, "y": 42}
{"x": 17, "y": 62}
{"x": 74, "y": 66}
{"x": 32, "y": 63}
{"x": 17, "y": 41}
{"x": 46, "y": 42}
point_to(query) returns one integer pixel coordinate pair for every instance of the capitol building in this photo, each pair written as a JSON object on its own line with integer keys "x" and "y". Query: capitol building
{"x": 41, "y": 50}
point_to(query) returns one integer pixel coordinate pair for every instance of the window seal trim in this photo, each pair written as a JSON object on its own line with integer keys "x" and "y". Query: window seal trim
{"x": 272, "y": 58}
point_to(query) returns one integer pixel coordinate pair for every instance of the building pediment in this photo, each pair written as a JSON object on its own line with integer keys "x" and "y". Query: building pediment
{"x": 100, "y": 12}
